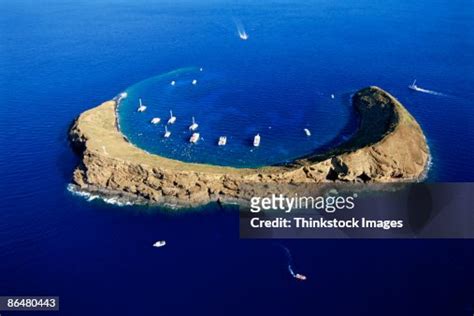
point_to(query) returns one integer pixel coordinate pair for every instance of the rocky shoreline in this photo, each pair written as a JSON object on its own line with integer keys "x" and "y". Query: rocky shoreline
{"x": 389, "y": 146}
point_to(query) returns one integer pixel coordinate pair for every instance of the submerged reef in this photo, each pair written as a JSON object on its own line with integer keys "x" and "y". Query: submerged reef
{"x": 389, "y": 146}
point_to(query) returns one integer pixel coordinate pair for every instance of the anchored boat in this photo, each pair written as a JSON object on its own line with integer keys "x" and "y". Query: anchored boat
{"x": 256, "y": 140}
{"x": 222, "y": 141}
{"x": 141, "y": 107}
{"x": 155, "y": 120}
{"x": 193, "y": 126}
{"x": 159, "y": 243}
{"x": 173, "y": 83}
{"x": 194, "y": 138}
{"x": 307, "y": 132}
{"x": 167, "y": 132}
{"x": 194, "y": 82}
{"x": 172, "y": 118}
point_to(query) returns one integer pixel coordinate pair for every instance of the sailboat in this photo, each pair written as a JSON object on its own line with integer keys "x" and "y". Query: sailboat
{"x": 141, "y": 107}
{"x": 193, "y": 126}
{"x": 167, "y": 132}
{"x": 413, "y": 86}
{"x": 256, "y": 140}
{"x": 172, "y": 118}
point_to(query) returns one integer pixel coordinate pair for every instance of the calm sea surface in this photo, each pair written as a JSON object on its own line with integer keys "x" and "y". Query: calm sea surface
{"x": 59, "y": 58}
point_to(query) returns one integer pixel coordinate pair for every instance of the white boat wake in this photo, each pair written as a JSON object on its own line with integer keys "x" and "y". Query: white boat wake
{"x": 297, "y": 276}
{"x": 241, "y": 30}
{"x": 414, "y": 87}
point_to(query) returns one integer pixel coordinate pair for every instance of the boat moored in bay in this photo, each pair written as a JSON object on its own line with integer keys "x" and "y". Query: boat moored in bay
{"x": 167, "y": 132}
{"x": 141, "y": 107}
{"x": 256, "y": 140}
{"x": 159, "y": 243}
{"x": 222, "y": 141}
{"x": 193, "y": 126}
{"x": 194, "y": 138}
{"x": 172, "y": 118}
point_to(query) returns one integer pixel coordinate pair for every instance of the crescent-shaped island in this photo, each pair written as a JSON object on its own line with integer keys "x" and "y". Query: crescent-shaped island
{"x": 389, "y": 146}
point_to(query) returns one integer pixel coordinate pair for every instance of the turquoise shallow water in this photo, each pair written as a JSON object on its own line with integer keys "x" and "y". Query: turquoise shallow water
{"x": 237, "y": 106}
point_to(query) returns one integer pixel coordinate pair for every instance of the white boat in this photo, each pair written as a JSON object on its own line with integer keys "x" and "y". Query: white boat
{"x": 256, "y": 140}
{"x": 307, "y": 132}
{"x": 141, "y": 107}
{"x": 414, "y": 87}
{"x": 194, "y": 82}
{"x": 201, "y": 69}
{"x": 172, "y": 118}
{"x": 155, "y": 120}
{"x": 159, "y": 243}
{"x": 194, "y": 138}
{"x": 222, "y": 141}
{"x": 300, "y": 277}
{"x": 173, "y": 83}
{"x": 243, "y": 35}
{"x": 193, "y": 126}
{"x": 167, "y": 132}
{"x": 332, "y": 96}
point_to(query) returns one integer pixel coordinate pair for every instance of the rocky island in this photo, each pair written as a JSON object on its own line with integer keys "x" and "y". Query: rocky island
{"x": 389, "y": 146}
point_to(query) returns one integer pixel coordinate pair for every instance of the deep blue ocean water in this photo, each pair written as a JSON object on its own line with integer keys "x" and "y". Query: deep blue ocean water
{"x": 59, "y": 58}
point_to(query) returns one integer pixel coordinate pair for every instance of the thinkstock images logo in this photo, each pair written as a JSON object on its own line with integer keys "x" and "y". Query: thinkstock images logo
{"x": 280, "y": 202}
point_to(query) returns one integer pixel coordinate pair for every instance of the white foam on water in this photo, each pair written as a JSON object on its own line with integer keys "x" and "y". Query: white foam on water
{"x": 91, "y": 197}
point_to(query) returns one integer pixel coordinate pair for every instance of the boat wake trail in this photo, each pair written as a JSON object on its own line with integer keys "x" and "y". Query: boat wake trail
{"x": 115, "y": 200}
{"x": 289, "y": 259}
{"x": 414, "y": 87}
{"x": 430, "y": 92}
{"x": 241, "y": 30}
